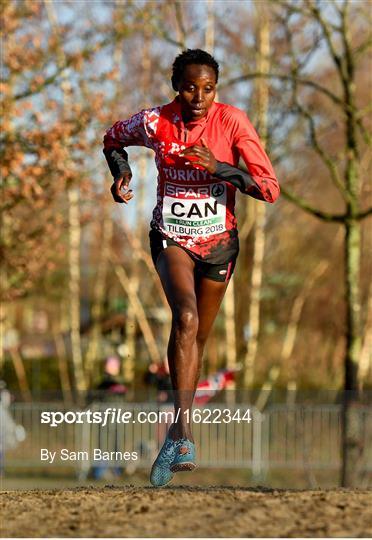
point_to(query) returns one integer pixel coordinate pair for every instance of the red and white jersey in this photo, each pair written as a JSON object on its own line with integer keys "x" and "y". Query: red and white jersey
{"x": 194, "y": 208}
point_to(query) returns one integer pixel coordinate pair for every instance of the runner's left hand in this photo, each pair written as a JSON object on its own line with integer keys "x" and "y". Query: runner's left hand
{"x": 204, "y": 156}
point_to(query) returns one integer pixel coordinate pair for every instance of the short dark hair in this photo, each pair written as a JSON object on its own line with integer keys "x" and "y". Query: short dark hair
{"x": 191, "y": 56}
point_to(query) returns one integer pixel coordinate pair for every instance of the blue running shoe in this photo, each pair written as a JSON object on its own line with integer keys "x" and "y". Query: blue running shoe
{"x": 160, "y": 472}
{"x": 185, "y": 457}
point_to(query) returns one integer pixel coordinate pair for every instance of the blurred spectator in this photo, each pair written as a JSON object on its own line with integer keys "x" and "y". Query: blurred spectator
{"x": 110, "y": 386}
{"x": 11, "y": 434}
{"x": 158, "y": 375}
{"x": 208, "y": 388}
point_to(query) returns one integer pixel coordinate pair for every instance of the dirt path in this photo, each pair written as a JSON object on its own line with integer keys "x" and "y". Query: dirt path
{"x": 185, "y": 511}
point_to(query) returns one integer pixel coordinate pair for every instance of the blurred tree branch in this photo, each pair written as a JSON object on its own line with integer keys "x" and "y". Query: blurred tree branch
{"x": 303, "y": 82}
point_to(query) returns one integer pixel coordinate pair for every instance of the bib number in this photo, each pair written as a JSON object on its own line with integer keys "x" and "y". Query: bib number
{"x": 194, "y": 210}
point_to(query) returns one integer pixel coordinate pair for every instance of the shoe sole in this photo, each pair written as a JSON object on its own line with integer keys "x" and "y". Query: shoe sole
{"x": 180, "y": 467}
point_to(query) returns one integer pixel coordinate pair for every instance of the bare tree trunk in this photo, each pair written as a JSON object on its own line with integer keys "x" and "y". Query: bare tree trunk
{"x": 365, "y": 368}
{"x": 352, "y": 436}
{"x": 62, "y": 364}
{"x": 259, "y": 241}
{"x": 248, "y": 223}
{"x": 267, "y": 387}
{"x": 209, "y": 30}
{"x": 139, "y": 312}
{"x": 137, "y": 248}
{"x": 74, "y": 225}
{"x": 352, "y": 441}
{"x": 353, "y": 337}
{"x": 130, "y": 340}
{"x": 2, "y": 320}
{"x": 230, "y": 332}
{"x": 94, "y": 349}
{"x": 21, "y": 374}
{"x": 254, "y": 307}
{"x": 74, "y": 288}
{"x": 297, "y": 307}
{"x": 180, "y": 28}
{"x": 338, "y": 353}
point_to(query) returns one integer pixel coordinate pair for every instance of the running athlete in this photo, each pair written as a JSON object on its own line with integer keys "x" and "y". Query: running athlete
{"x": 193, "y": 232}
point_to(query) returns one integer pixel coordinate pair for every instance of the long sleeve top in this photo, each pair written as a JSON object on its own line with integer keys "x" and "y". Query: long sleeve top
{"x": 195, "y": 208}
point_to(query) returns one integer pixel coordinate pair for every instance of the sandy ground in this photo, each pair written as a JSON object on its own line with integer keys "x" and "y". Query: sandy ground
{"x": 185, "y": 511}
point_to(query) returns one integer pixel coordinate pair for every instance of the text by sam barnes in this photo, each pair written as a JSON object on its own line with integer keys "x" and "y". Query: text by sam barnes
{"x": 96, "y": 454}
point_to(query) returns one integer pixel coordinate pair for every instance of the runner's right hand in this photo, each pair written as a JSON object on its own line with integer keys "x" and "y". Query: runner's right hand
{"x": 120, "y": 191}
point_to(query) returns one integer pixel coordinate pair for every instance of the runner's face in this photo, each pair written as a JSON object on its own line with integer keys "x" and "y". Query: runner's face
{"x": 197, "y": 90}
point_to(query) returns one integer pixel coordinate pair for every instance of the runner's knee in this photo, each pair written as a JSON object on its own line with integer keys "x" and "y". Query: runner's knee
{"x": 185, "y": 320}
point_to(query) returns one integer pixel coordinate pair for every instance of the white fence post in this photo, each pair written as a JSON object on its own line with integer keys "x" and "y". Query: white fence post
{"x": 257, "y": 445}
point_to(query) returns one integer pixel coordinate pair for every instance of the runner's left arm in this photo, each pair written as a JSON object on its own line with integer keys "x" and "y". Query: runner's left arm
{"x": 260, "y": 181}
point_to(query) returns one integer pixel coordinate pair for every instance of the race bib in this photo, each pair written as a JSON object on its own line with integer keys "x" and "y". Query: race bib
{"x": 194, "y": 210}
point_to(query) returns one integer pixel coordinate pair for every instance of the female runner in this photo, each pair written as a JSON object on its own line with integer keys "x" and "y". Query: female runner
{"x": 193, "y": 232}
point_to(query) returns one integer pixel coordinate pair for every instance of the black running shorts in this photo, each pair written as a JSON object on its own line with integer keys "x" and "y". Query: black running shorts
{"x": 216, "y": 272}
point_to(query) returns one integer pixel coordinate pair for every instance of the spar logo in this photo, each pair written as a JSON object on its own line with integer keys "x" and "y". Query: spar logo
{"x": 194, "y": 192}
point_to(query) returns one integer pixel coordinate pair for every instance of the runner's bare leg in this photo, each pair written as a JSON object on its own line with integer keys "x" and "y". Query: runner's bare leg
{"x": 209, "y": 295}
{"x": 176, "y": 272}
{"x": 187, "y": 338}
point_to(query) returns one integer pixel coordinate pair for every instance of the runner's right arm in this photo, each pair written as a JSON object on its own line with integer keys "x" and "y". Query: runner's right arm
{"x": 131, "y": 132}
{"x": 136, "y": 131}
{"x": 117, "y": 161}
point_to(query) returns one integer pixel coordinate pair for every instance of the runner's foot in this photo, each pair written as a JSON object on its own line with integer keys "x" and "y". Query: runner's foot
{"x": 160, "y": 472}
